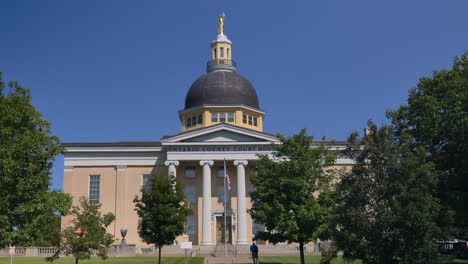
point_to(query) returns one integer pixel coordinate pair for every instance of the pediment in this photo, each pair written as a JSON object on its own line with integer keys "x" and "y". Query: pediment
{"x": 222, "y": 133}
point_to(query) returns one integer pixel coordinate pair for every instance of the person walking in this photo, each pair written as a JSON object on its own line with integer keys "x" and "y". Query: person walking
{"x": 254, "y": 251}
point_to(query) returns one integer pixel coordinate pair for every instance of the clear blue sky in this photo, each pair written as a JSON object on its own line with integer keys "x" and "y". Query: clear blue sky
{"x": 104, "y": 71}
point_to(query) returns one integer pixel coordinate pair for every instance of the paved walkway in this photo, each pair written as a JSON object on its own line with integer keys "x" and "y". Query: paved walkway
{"x": 228, "y": 260}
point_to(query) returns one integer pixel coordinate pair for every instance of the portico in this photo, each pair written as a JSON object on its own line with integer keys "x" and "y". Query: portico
{"x": 208, "y": 148}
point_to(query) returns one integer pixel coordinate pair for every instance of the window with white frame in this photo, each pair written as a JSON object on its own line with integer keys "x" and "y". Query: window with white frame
{"x": 214, "y": 117}
{"x": 94, "y": 188}
{"x": 230, "y": 117}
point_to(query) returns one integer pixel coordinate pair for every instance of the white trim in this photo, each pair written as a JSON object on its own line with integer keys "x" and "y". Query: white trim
{"x": 112, "y": 149}
{"x": 217, "y": 143}
{"x": 120, "y": 168}
{"x": 220, "y": 127}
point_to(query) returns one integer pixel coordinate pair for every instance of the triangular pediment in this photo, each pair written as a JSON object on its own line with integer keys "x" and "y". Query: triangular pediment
{"x": 222, "y": 133}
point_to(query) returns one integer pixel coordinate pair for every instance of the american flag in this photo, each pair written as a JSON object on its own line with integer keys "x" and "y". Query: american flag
{"x": 228, "y": 180}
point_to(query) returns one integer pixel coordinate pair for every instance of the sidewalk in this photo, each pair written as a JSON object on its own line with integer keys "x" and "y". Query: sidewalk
{"x": 228, "y": 259}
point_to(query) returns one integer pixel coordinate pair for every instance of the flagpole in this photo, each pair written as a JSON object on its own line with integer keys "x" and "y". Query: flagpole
{"x": 225, "y": 211}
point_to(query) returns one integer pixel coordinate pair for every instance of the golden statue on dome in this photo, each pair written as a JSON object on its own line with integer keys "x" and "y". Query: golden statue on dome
{"x": 221, "y": 24}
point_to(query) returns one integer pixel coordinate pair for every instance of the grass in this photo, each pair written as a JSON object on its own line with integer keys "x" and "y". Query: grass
{"x": 316, "y": 260}
{"x": 296, "y": 259}
{"x": 94, "y": 260}
{"x": 177, "y": 260}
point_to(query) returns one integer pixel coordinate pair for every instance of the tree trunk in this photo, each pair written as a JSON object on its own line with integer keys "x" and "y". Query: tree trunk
{"x": 159, "y": 257}
{"x": 76, "y": 260}
{"x": 301, "y": 250}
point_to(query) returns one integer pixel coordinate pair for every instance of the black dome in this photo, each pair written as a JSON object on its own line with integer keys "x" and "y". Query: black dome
{"x": 221, "y": 88}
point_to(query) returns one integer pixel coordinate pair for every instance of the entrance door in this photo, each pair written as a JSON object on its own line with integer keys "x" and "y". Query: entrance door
{"x": 220, "y": 230}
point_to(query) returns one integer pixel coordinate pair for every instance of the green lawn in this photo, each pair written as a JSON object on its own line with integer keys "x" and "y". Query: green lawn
{"x": 177, "y": 260}
{"x": 126, "y": 260}
{"x": 315, "y": 260}
{"x": 296, "y": 259}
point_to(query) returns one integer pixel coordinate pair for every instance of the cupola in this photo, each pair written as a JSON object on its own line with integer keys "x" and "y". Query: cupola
{"x": 221, "y": 95}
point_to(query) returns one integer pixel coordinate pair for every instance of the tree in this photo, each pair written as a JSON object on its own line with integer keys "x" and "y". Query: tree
{"x": 292, "y": 191}
{"x": 87, "y": 234}
{"x": 385, "y": 210}
{"x": 27, "y": 151}
{"x": 436, "y": 115}
{"x": 163, "y": 211}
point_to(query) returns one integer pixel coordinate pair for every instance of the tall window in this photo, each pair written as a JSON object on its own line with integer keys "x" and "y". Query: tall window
{"x": 244, "y": 118}
{"x": 191, "y": 194}
{"x": 221, "y": 52}
{"x": 191, "y": 227}
{"x": 94, "y": 188}
{"x": 146, "y": 182}
{"x": 222, "y": 117}
{"x": 214, "y": 117}
{"x": 230, "y": 117}
{"x": 250, "y": 120}
{"x": 189, "y": 122}
{"x": 255, "y": 121}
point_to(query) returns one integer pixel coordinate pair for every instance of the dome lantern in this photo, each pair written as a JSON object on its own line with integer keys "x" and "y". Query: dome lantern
{"x": 221, "y": 51}
{"x": 221, "y": 95}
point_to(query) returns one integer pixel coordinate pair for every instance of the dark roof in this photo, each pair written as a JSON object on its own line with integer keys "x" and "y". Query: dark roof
{"x": 221, "y": 88}
{"x": 113, "y": 144}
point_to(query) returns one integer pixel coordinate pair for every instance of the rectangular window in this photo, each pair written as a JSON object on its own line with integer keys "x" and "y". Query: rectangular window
{"x": 222, "y": 117}
{"x": 214, "y": 117}
{"x": 200, "y": 119}
{"x": 190, "y": 172}
{"x": 147, "y": 181}
{"x": 255, "y": 121}
{"x": 94, "y": 188}
{"x": 194, "y": 120}
{"x": 189, "y": 122}
{"x": 230, "y": 117}
{"x": 244, "y": 118}
{"x": 221, "y": 52}
{"x": 220, "y": 172}
{"x": 191, "y": 194}
{"x": 250, "y": 120}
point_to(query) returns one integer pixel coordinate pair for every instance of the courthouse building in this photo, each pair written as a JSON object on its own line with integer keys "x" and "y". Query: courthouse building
{"x": 222, "y": 120}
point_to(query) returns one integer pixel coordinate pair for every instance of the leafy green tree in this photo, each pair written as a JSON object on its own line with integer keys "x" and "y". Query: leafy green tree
{"x": 49, "y": 234}
{"x": 163, "y": 211}
{"x": 436, "y": 115}
{"x": 292, "y": 191}
{"x": 27, "y": 151}
{"x": 87, "y": 234}
{"x": 385, "y": 210}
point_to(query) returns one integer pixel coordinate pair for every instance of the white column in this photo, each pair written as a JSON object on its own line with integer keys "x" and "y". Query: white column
{"x": 206, "y": 204}
{"x": 241, "y": 207}
{"x": 172, "y": 164}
